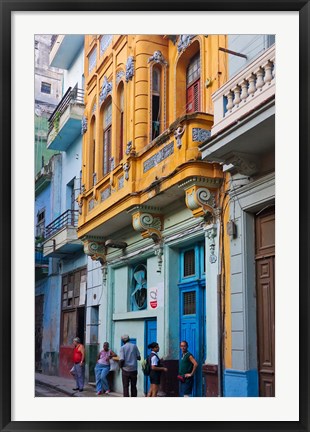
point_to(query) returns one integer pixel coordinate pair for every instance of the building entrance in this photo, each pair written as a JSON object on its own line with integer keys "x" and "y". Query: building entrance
{"x": 265, "y": 292}
{"x": 192, "y": 307}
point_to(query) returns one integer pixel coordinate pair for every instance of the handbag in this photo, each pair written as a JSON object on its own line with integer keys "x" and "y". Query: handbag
{"x": 114, "y": 367}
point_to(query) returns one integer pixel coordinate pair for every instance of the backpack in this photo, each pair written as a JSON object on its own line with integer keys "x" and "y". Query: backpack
{"x": 146, "y": 364}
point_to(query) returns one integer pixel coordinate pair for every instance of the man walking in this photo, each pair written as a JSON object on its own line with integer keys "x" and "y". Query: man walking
{"x": 128, "y": 356}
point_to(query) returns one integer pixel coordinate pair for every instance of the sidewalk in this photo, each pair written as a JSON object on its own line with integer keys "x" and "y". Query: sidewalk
{"x": 65, "y": 385}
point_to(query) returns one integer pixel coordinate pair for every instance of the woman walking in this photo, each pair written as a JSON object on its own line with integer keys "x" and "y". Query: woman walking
{"x": 102, "y": 369}
{"x": 156, "y": 369}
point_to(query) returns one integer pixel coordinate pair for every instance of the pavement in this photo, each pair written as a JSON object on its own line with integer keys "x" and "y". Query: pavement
{"x": 66, "y": 385}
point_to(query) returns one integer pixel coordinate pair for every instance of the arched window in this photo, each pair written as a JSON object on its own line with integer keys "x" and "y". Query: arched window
{"x": 107, "y": 138}
{"x": 193, "y": 85}
{"x": 156, "y": 101}
{"x": 121, "y": 121}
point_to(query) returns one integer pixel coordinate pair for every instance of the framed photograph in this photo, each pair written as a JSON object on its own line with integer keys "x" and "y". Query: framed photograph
{"x": 138, "y": 195}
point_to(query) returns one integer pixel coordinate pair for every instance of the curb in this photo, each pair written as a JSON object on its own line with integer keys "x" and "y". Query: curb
{"x": 55, "y": 387}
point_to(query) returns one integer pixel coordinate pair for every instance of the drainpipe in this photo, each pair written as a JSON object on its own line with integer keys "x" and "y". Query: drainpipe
{"x": 219, "y": 315}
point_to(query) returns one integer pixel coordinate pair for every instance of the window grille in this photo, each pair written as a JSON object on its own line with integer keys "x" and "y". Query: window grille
{"x": 189, "y": 303}
{"x": 189, "y": 263}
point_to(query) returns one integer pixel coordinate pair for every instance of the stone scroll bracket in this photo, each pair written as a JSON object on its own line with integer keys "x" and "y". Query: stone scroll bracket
{"x": 149, "y": 222}
{"x": 95, "y": 248}
{"x": 201, "y": 197}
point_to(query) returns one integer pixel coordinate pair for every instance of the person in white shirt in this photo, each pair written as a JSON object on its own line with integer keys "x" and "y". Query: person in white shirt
{"x": 156, "y": 369}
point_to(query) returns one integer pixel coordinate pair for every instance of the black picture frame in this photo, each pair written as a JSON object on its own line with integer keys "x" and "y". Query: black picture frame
{"x": 7, "y": 7}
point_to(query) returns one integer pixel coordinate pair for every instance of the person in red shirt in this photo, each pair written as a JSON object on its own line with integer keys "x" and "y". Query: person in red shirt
{"x": 78, "y": 364}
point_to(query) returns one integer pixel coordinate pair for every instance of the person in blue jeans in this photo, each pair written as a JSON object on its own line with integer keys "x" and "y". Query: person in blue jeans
{"x": 102, "y": 369}
{"x": 187, "y": 367}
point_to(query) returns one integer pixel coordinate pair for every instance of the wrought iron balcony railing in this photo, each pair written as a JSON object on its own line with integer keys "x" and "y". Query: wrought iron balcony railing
{"x": 68, "y": 219}
{"x": 72, "y": 96}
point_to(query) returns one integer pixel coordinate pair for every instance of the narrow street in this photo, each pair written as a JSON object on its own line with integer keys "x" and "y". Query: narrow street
{"x": 45, "y": 391}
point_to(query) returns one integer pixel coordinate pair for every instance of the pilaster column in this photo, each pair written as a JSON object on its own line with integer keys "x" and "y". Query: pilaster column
{"x": 210, "y": 368}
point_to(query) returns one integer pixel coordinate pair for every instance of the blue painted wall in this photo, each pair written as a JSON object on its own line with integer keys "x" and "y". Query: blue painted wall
{"x": 43, "y": 201}
{"x": 240, "y": 383}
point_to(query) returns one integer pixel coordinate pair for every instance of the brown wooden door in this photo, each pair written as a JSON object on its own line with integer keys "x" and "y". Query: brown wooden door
{"x": 265, "y": 292}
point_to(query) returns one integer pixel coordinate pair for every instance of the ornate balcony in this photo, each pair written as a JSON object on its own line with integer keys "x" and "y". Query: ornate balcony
{"x": 65, "y": 122}
{"x": 244, "y": 117}
{"x": 151, "y": 176}
{"x": 245, "y": 92}
{"x": 61, "y": 236}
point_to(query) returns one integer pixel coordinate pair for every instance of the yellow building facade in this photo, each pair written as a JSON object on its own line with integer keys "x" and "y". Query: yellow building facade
{"x": 119, "y": 105}
{"x": 149, "y": 203}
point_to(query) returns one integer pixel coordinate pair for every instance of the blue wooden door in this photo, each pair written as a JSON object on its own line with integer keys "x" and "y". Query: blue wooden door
{"x": 150, "y": 336}
{"x": 192, "y": 307}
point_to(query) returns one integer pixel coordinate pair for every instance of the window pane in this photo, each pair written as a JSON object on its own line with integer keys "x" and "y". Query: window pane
{"x": 45, "y": 88}
{"x": 105, "y": 42}
{"x": 189, "y": 263}
{"x": 189, "y": 303}
{"x": 92, "y": 60}
{"x": 107, "y": 117}
{"x": 156, "y": 81}
{"x": 193, "y": 70}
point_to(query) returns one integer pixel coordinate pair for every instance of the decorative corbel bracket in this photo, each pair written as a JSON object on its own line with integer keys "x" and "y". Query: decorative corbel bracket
{"x": 200, "y": 199}
{"x": 96, "y": 249}
{"x": 243, "y": 163}
{"x": 149, "y": 221}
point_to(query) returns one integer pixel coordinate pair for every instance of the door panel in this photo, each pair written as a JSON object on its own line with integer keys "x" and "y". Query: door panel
{"x": 192, "y": 327}
{"x": 265, "y": 291}
{"x": 150, "y": 336}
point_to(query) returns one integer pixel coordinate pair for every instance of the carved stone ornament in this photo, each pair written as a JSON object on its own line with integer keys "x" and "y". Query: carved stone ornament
{"x": 211, "y": 233}
{"x": 244, "y": 163}
{"x": 158, "y": 57}
{"x": 148, "y": 221}
{"x": 95, "y": 248}
{"x": 130, "y": 68}
{"x": 80, "y": 204}
{"x": 106, "y": 89}
{"x": 128, "y": 147}
{"x": 126, "y": 168}
{"x": 83, "y": 125}
{"x": 184, "y": 42}
{"x": 158, "y": 251}
{"x": 199, "y": 199}
{"x": 178, "y": 133}
{"x": 200, "y": 135}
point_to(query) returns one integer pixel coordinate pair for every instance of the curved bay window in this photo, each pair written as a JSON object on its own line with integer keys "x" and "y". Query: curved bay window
{"x": 156, "y": 101}
{"x": 193, "y": 85}
{"x": 107, "y": 137}
{"x": 139, "y": 287}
